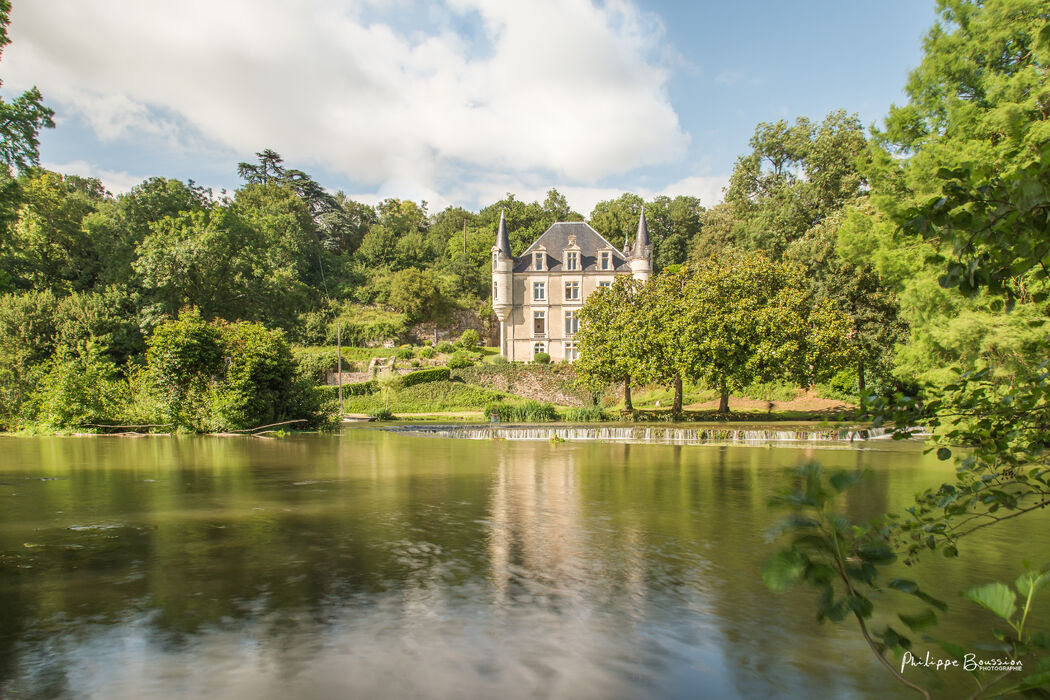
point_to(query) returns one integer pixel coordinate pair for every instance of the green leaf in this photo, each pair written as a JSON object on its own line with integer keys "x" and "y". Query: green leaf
{"x": 904, "y": 585}
{"x": 861, "y": 605}
{"x": 996, "y": 597}
{"x": 840, "y": 481}
{"x": 944, "y": 453}
{"x": 954, "y": 650}
{"x": 783, "y": 570}
{"x": 1036, "y": 680}
{"x": 877, "y": 553}
{"x": 920, "y": 621}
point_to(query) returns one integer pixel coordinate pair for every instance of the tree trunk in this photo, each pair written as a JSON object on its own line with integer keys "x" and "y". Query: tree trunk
{"x": 627, "y": 405}
{"x": 676, "y": 409}
{"x": 723, "y": 399}
{"x": 860, "y": 376}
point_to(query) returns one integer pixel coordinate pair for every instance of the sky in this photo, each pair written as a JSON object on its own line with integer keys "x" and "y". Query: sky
{"x": 455, "y": 102}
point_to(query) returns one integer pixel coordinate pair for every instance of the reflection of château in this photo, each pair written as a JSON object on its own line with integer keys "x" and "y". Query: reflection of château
{"x": 537, "y": 296}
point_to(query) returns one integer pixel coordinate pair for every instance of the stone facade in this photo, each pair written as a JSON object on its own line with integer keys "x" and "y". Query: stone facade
{"x": 537, "y": 296}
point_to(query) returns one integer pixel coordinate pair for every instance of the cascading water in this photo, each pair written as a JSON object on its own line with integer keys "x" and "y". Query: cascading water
{"x": 649, "y": 434}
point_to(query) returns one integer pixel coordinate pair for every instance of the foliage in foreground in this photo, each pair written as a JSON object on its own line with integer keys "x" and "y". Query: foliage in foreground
{"x": 845, "y": 563}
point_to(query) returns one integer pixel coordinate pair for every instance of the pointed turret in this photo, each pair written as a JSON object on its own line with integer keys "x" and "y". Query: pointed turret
{"x": 641, "y": 239}
{"x": 502, "y": 240}
{"x": 638, "y": 260}
{"x": 502, "y": 281}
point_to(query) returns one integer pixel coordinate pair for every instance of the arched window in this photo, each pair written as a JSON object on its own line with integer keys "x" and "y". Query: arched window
{"x": 538, "y": 348}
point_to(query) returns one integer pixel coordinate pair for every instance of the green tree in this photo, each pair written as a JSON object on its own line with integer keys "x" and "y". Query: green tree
{"x": 795, "y": 176}
{"x": 857, "y": 291}
{"x": 22, "y": 119}
{"x": 118, "y": 226}
{"x": 224, "y": 264}
{"x": 607, "y": 320}
{"x": 416, "y": 293}
{"x": 748, "y": 319}
{"x": 47, "y": 247}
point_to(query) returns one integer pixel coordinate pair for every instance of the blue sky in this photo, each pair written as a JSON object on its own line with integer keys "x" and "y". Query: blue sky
{"x": 455, "y": 102}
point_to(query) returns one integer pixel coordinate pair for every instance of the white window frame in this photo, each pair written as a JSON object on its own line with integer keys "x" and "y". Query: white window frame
{"x": 572, "y": 323}
{"x": 539, "y": 290}
{"x": 495, "y": 291}
{"x": 604, "y": 284}
{"x": 572, "y": 260}
{"x": 537, "y": 315}
{"x": 572, "y": 351}
{"x": 605, "y": 260}
{"x": 538, "y": 348}
{"x": 537, "y": 260}
{"x": 575, "y": 286}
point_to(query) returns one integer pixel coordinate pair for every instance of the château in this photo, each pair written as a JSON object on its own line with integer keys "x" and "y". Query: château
{"x": 537, "y": 296}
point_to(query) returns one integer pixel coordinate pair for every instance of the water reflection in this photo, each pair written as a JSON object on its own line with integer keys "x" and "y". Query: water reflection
{"x": 376, "y": 564}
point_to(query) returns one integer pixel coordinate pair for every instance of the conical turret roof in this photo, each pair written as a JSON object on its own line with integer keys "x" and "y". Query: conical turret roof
{"x": 641, "y": 239}
{"x": 502, "y": 240}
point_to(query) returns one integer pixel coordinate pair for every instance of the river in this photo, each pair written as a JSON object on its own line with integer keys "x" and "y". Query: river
{"x": 375, "y": 564}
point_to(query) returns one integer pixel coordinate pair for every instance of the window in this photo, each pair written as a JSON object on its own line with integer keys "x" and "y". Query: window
{"x": 538, "y": 348}
{"x": 572, "y": 291}
{"x": 539, "y": 323}
{"x": 571, "y": 353}
{"x": 539, "y": 291}
{"x": 606, "y": 260}
{"x": 604, "y": 283}
{"x": 572, "y": 260}
{"x": 572, "y": 323}
{"x": 495, "y": 257}
{"x": 495, "y": 291}
{"x": 537, "y": 261}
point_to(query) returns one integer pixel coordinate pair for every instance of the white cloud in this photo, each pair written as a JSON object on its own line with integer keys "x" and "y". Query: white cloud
{"x": 546, "y": 90}
{"x": 117, "y": 182}
{"x": 582, "y": 198}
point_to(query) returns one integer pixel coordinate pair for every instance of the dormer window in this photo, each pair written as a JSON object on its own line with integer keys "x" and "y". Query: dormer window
{"x": 605, "y": 260}
{"x": 537, "y": 261}
{"x": 572, "y": 260}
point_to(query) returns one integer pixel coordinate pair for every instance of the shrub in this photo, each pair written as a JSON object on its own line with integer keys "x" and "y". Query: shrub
{"x": 363, "y": 325}
{"x": 460, "y": 360}
{"x": 316, "y": 363}
{"x": 361, "y": 388}
{"x": 469, "y": 340}
{"x": 526, "y": 412}
{"x": 437, "y": 374}
{"x": 427, "y": 352}
{"x": 210, "y": 376}
{"x": 427, "y": 397}
{"x": 445, "y": 347}
{"x": 427, "y": 343}
{"x": 78, "y": 388}
{"x": 415, "y": 363}
{"x": 542, "y": 358}
{"x": 382, "y": 414}
{"x": 587, "y": 414}
{"x": 499, "y": 360}
{"x": 404, "y": 354}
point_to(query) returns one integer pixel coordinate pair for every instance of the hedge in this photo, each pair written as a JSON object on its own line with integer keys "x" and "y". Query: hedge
{"x": 437, "y": 374}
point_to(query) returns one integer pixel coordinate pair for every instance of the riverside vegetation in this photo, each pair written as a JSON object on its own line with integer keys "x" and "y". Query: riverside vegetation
{"x": 909, "y": 266}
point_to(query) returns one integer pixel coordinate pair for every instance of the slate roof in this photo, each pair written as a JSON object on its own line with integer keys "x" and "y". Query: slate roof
{"x": 556, "y": 239}
{"x": 641, "y": 239}
{"x": 502, "y": 240}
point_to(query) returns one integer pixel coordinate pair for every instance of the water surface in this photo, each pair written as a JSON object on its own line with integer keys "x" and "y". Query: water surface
{"x": 376, "y": 564}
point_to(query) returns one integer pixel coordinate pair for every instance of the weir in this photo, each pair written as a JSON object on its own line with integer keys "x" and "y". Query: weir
{"x": 666, "y": 435}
